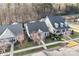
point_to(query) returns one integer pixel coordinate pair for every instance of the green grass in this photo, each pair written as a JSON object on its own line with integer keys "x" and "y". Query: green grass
{"x": 28, "y": 52}
{"x": 25, "y": 45}
{"x": 48, "y": 40}
{"x": 18, "y": 47}
{"x": 34, "y": 50}
{"x": 75, "y": 35}
{"x": 53, "y": 46}
{"x": 30, "y": 44}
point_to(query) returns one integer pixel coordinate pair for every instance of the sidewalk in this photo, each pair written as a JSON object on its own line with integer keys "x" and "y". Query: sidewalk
{"x": 64, "y": 51}
{"x": 56, "y": 51}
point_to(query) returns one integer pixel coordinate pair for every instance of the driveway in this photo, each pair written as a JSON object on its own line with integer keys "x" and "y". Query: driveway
{"x": 74, "y": 26}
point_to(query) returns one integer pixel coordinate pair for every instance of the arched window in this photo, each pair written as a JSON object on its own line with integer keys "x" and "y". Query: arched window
{"x": 66, "y": 24}
{"x": 56, "y": 25}
{"x": 61, "y": 24}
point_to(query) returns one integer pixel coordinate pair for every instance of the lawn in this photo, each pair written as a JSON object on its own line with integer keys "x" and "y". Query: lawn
{"x": 75, "y": 35}
{"x": 48, "y": 40}
{"x": 35, "y": 50}
{"x": 26, "y": 44}
{"x": 53, "y": 46}
{"x": 30, "y": 44}
{"x": 28, "y": 52}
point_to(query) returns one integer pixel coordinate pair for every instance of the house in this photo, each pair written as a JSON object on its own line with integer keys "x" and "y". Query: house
{"x": 12, "y": 31}
{"x": 56, "y": 24}
{"x": 36, "y": 27}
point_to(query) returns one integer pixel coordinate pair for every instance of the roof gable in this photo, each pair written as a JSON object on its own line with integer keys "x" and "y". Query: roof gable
{"x": 2, "y": 28}
{"x": 7, "y": 34}
{"x": 15, "y": 28}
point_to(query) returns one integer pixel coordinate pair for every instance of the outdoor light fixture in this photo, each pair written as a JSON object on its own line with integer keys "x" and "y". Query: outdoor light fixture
{"x": 12, "y": 40}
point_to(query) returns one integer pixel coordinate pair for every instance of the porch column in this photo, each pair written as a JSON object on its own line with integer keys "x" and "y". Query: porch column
{"x": 12, "y": 46}
{"x": 12, "y": 49}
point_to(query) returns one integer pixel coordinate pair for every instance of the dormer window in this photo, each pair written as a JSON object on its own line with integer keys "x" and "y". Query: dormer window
{"x": 61, "y": 24}
{"x": 66, "y": 24}
{"x": 56, "y": 25}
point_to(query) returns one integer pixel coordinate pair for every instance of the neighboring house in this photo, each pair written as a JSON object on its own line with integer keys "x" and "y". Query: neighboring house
{"x": 12, "y": 31}
{"x": 56, "y": 24}
{"x": 38, "y": 27}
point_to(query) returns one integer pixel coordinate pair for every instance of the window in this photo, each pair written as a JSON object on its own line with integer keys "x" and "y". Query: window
{"x": 61, "y": 24}
{"x": 56, "y": 25}
{"x": 66, "y": 24}
{"x": 46, "y": 34}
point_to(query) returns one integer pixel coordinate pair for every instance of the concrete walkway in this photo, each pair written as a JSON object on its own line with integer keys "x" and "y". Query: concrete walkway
{"x": 64, "y": 51}
{"x": 59, "y": 51}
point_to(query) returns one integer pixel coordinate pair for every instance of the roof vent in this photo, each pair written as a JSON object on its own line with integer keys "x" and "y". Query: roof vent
{"x": 32, "y": 21}
{"x": 14, "y": 23}
{"x": 43, "y": 19}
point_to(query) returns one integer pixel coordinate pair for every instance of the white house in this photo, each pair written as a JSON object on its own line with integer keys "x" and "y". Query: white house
{"x": 56, "y": 24}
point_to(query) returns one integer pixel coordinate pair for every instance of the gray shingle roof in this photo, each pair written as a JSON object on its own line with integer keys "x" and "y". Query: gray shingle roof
{"x": 15, "y": 28}
{"x": 35, "y": 26}
{"x": 57, "y": 19}
{"x": 2, "y": 28}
